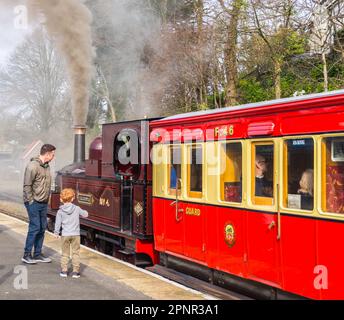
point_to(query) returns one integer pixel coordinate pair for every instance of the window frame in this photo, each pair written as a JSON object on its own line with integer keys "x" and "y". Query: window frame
{"x": 194, "y": 194}
{"x": 158, "y": 171}
{"x": 172, "y": 191}
{"x": 243, "y": 179}
{"x": 284, "y": 175}
{"x": 263, "y": 203}
{"x": 322, "y": 175}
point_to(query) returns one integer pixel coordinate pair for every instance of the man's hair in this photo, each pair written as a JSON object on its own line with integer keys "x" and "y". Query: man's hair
{"x": 47, "y": 148}
{"x": 67, "y": 195}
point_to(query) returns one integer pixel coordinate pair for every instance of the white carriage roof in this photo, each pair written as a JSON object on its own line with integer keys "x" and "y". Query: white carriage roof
{"x": 255, "y": 105}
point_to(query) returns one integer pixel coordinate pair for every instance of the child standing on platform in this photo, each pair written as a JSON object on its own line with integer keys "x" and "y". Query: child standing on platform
{"x": 68, "y": 217}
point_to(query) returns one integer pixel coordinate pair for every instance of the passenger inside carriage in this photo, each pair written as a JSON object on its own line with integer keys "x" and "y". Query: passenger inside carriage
{"x": 263, "y": 185}
{"x": 306, "y": 189}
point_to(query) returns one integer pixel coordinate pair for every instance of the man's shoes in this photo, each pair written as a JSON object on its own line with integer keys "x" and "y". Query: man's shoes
{"x": 76, "y": 275}
{"x": 28, "y": 259}
{"x": 63, "y": 274}
{"x": 42, "y": 258}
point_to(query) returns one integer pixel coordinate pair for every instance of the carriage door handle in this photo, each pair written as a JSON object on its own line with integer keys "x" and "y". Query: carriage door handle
{"x": 272, "y": 225}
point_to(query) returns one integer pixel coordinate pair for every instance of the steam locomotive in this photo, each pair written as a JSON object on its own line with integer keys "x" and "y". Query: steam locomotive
{"x": 196, "y": 208}
{"x": 116, "y": 194}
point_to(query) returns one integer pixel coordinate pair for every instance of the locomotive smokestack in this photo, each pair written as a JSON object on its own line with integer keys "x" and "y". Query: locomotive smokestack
{"x": 79, "y": 143}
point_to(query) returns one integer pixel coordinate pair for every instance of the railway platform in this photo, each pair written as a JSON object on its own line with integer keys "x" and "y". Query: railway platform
{"x": 103, "y": 277}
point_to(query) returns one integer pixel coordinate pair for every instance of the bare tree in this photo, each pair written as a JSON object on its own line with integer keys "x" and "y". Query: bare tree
{"x": 232, "y": 11}
{"x": 321, "y": 34}
{"x": 34, "y": 87}
{"x": 102, "y": 95}
{"x": 336, "y": 12}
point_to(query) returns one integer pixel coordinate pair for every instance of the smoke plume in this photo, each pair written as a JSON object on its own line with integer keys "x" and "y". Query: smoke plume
{"x": 68, "y": 22}
{"x": 127, "y": 36}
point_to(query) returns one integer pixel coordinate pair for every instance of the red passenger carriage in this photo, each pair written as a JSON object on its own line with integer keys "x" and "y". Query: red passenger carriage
{"x": 252, "y": 196}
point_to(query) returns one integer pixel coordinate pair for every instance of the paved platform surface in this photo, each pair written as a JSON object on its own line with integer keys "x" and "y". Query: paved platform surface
{"x": 102, "y": 277}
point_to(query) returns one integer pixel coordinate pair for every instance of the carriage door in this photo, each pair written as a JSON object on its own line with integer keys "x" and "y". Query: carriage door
{"x": 262, "y": 219}
{"x": 173, "y": 208}
{"x": 194, "y": 214}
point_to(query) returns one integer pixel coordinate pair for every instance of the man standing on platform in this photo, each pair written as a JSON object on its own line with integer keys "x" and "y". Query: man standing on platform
{"x": 37, "y": 185}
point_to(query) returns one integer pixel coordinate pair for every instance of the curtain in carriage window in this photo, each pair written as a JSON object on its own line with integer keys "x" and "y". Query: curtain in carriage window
{"x": 332, "y": 181}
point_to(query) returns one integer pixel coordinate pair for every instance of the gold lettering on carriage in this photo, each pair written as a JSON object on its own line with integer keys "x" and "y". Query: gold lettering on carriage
{"x": 224, "y": 131}
{"x": 193, "y": 212}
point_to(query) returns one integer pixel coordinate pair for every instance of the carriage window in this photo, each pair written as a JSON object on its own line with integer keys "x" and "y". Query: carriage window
{"x": 231, "y": 169}
{"x": 175, "y": 166}
{"x": 263, "y": 174}
{"x": 299, "y": 169}
{"x": 333, "y": 175}
{"x": 195, "y": 172}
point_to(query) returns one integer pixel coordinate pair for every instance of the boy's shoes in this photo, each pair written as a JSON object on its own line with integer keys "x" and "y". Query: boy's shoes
{"x": 42, "y": 258}
{"x": 28, "y": 259}
{"x": 75, "y": 275}
{"x": 63, "y": 274}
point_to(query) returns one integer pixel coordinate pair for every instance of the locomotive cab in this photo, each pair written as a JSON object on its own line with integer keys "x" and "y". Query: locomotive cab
{"x": 127, "y": 154}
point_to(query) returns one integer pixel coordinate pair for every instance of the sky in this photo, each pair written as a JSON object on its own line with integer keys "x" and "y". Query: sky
{"x": 10, "y": 34}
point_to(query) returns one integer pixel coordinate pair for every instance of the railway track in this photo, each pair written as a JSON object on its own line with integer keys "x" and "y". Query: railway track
{"x": 9, "y": 197}
{"x": 197, "y": 284}
{"x": 166, "y": 273}
{"x": 6, "y": 196}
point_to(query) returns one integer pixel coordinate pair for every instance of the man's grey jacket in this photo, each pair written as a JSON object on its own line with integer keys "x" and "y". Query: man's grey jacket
{"x": 37, "y": 181}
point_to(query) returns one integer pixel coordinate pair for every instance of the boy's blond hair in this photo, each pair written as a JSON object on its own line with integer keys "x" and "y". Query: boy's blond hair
{"x": 67, "y": 195}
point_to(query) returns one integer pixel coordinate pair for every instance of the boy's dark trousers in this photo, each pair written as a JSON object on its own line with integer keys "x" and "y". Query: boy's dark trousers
{"x": 37, "y": 224}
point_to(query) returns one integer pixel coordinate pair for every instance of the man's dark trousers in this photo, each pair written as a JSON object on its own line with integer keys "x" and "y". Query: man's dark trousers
{"x": 37, "y": 224}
